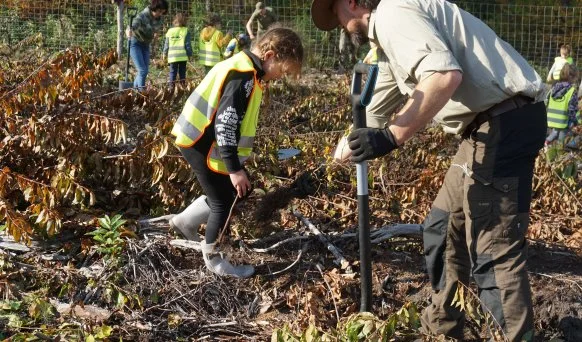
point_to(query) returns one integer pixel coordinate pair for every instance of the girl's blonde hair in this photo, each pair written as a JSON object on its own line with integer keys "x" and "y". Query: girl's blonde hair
{"x": 179, "y": 20}
{"x": 286, "y": 45}
{"x": 569, "y": 73}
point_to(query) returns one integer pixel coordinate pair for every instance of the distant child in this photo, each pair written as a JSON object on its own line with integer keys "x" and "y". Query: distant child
{"x": 237, "y": 44}
{"x": 215, "y": 134}
{"x": 142, "y": 32}
{"x": 562, "y": 105}
{"x": 211, "y": 42}
{"x": 559, "y": 62}
{"x": 178, "y": 48}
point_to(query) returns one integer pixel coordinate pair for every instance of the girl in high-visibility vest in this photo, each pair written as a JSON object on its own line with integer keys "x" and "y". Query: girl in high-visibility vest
{"x": 559, "y": 62}
{"x": 211, "y": 42}
{"x": 562, "y": 105}
{"x": 215, "y": 134}
{"x": 178, "y": 48}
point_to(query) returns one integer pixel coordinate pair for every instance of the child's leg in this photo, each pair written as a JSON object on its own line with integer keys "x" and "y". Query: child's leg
{"x": 182, "y": 70}
{"x": 562, "y": 133}
{"x": 220, "y": 196}
{"x": 552, "y": 135}
{"x": 173, "y": 72}
{"x": 139, "y": 52}
{"x": 218, "y": 189}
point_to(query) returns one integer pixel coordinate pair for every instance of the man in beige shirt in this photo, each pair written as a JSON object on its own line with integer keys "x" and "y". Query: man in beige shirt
{"x": 458, "y": 72}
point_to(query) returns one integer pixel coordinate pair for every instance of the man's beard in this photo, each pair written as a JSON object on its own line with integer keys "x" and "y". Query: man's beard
{"x": 360, "y": 36}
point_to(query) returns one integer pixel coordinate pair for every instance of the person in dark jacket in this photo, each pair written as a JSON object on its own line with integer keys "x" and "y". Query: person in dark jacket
{"x": 142, "y": 32}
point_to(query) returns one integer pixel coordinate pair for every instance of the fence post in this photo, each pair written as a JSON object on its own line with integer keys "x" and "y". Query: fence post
{"x": 119, "y": 29}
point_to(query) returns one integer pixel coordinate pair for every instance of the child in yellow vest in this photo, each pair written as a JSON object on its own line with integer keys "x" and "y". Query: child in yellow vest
{"x": 215, "y": 134}
{"x": 211, "y": 42}
{"x": 564, "y": 58}
{"x": 236, "y": 45}
{"x": 178, "y": 48}
{"x": 562, "y": 105}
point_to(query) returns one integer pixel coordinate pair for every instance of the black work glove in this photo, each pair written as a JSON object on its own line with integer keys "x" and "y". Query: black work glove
{"x": 371, "y": 143}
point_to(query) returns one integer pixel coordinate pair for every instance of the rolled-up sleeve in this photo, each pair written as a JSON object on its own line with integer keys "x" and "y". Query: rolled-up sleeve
{"x": 413, "y": 40}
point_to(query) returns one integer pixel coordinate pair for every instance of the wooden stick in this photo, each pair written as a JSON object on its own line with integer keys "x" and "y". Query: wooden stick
{"x": 186, "y": 244}
{"x": 278, "y": 244}
{"x": 301, "y": 251}
{"x": 339, "y": 258}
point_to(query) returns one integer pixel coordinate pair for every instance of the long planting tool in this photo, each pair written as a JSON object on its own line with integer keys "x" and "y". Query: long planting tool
{"x": 360, "y": 99}
{"x": 131, "y": 13}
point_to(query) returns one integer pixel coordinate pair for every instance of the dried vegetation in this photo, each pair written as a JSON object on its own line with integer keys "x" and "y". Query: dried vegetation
{"x": 73, "y": 150}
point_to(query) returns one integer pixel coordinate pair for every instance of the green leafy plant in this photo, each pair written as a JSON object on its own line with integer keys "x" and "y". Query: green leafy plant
{"x": 362, "y": 326}
{"x": 108, "y": 235}
{"x": 99, "y": 334}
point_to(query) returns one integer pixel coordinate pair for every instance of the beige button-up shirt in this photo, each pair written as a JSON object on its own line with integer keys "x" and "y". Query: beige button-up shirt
{"x": 421, "y": 37}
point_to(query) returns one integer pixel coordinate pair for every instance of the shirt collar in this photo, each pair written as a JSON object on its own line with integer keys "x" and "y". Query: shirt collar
{"x": 257, "y": 64}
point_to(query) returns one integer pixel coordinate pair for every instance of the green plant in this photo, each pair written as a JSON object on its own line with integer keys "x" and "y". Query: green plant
{"x": 108, "y": 235}
{"x": 363, "y": 326}
{"x": 99, "y": 334}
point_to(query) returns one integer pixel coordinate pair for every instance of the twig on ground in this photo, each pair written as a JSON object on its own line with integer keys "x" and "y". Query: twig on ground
{"x": 278, "y": 244}
{"x": 340, "y": 260}
{"x": 319, "y": 268}
{"x": 559, "y": 279}
{"x": 305, "y": 246}
{"x": 186, "y": 244}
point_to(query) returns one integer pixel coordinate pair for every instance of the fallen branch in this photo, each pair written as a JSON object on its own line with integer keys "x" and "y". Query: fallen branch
{"x": 558, "y": 279}
{"x": 186, "y": 244}
{"x": 278, "y": 244}
{"x": 294, "y": 262}
{"x": 340, "y": 260}
{"x": 319, "y": 268}
{"x": 386, "y": 232}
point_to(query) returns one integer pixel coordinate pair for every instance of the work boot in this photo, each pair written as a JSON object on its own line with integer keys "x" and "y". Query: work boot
{"x": 188, "y": 221}
{"x": 218, "y": 263}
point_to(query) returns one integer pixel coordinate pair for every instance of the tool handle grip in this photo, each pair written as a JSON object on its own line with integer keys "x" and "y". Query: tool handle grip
{"x": 131, "y": 12}
{"x": 361, "y": 99}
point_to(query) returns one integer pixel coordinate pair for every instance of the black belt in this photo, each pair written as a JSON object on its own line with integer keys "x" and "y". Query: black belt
{"x": 510, "y": 104}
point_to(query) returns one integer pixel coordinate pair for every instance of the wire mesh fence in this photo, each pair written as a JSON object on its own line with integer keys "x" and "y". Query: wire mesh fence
{"x": 535, "y": 31}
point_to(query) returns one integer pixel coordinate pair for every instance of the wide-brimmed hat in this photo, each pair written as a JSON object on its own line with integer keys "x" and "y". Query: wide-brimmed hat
{"x": 322, "y": 15}
{"x": 260, "y": 5}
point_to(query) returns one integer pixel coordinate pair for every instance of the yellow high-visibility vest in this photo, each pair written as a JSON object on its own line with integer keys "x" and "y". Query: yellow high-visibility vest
{"x": 372, "y": 56}
{"x": 236, "y": 48}
{"x": 558, "y": 110}
{"x": 560, "y": 62}
{"x": 200, "y": 109}
{"x": 177, "y": 44}
{"x": 209, "y": 51}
